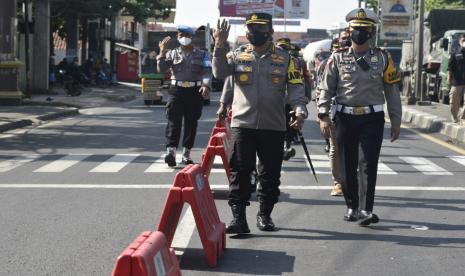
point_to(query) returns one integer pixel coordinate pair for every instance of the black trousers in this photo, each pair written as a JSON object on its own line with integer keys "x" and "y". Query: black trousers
{"x": 359, "y": 139}
{"x": 183, "y": 103}
{"x": 247, "y": 144}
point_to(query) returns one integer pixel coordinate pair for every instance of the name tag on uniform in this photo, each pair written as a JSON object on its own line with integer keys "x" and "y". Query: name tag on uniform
{"x": 243, "y": 68}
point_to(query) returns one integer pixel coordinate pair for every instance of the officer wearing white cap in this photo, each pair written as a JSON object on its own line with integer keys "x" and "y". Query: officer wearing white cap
{"x": 190, "y": 82}
{"x": 362, "y": 79}
{"x": 262, "y": 75}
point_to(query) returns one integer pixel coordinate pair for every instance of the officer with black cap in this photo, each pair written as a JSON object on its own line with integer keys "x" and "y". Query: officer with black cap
{"x": 262, "y": 75}
{"x": 362, "y": 79}
{"x": 190, "y": 82}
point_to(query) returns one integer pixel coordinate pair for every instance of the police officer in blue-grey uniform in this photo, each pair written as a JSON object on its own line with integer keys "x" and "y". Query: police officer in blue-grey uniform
{"x": 263, "y": 75}
{"x": 362, "y": 79}
{"x": 190, "y": 82}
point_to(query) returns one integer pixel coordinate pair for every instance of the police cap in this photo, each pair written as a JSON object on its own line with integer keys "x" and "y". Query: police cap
{"x": 361, "y": 17}
{"x": 284, "y": 42}
{"x": 258, "y": 18}
{"x": 185, "y": 29}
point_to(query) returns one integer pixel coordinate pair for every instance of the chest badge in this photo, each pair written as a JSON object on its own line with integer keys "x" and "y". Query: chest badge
{"x": 243, "y": 77}
{"x": 374, "y": 59}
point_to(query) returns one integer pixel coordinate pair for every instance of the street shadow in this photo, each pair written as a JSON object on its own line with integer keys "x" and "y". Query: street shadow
{"x": 430, "y": 242}
{"x": 439, "y": 204}
{"x": 241, "y": 261}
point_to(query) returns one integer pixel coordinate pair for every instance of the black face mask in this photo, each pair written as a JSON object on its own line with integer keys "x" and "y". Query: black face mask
{"x": 257, "y": 38}
{"x": 345, "y": 42}
{"x": 360, "y": 36}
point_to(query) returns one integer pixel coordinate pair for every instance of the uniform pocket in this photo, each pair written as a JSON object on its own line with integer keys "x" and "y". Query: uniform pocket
{"x": 277, "y": 77}
{"x": 196, "y": 66}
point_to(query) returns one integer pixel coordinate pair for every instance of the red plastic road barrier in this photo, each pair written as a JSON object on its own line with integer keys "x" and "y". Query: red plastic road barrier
{"x": 148, "y": 255}
{"x": 195, "y": 190}
{"x": 219, "y": 145}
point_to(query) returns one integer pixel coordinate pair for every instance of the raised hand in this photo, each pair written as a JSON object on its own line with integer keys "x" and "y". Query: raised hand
{"x": 164, "y": 45}
{"x": 221, "y": 33}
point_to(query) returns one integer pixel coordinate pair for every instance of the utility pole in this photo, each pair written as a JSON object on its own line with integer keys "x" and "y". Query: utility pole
{"x": 419, "y": 75}
{"x": 9, "y": 65}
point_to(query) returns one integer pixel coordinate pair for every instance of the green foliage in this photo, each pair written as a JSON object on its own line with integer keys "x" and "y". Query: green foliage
{"x": 444, "y": 4}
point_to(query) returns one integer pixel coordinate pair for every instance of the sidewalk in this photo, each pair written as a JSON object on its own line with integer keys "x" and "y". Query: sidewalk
{"x": 433, "y": 118}
{"x": 57, "y": 104}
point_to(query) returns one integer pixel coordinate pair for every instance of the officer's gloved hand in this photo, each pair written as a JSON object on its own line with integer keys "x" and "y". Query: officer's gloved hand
{"x": 297, "y": 120}
{"x": 205, "y": 91}
{"x": 222, "y": 112}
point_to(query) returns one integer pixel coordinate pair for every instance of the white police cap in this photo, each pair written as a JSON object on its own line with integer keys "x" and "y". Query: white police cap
{"x": 361, "y": 17}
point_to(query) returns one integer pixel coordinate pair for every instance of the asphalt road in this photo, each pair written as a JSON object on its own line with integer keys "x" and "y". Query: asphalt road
{"x": 75, "y": 192}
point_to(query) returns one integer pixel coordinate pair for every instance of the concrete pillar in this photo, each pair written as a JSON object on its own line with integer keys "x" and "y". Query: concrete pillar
{"x": 94, "y": 38}
{"x": 72, "y": 35}
{"x": 9, "y": 65}
{"x": 41, "y": 56}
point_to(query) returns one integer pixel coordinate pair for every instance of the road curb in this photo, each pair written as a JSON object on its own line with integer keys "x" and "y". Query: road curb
{"x": 432, "y": 123}
{"x": 37, "y": 120}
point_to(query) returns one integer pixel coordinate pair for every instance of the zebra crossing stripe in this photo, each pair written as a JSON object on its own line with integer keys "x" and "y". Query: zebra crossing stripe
{"x": 384, "y": 169}
{"x": 322, "y": 162}
{"x": 115, "y": 163}
{"x": 159, "y": 166}
{"x": 425, "y": 166}
{"x": 16, "y": 162}
{"x": 63, "y": 163}
{"x": 458, "y": 159}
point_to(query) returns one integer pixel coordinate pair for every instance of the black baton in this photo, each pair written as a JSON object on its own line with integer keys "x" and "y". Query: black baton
{"x": 304, "y": 145}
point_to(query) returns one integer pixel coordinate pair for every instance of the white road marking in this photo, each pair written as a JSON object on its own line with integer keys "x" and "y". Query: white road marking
{"x": 184, "y": 232}
{"x": 64, "y": 163}
{"x": 159, "y": 166}
{"x": 214, "y": 187}
{"x": 425, "y": 166}
{"x": 16, "y": 162}
{"x": 115, "y": 163}
{"x": 458, "y": 159}
{"x": 384, "y": 169}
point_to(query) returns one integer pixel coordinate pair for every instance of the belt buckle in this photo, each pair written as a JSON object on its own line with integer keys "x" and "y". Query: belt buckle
{"x": 185, "y": 84}
{"x": 359, "y": 110}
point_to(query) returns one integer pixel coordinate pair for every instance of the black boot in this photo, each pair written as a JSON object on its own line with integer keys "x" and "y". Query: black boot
{"x": 264, "y": 221}
{"x": 238, "y": 225}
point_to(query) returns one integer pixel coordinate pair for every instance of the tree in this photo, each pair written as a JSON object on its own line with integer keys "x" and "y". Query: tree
{"x": 444, "y": 4}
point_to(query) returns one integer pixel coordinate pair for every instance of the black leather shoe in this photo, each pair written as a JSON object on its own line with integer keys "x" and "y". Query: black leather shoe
{"x": 238, "y": 226}
{"x": 170, "y": 159}
{"x": 351, "y": 215}
{"x": 265, "y": 223}
{"x": 366, "y": 218}
{"x": 288, "y": 154}
{"x": 187, "y": 161}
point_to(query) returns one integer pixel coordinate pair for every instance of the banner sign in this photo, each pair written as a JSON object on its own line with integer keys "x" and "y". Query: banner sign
{"x": 291, "y": 9}
{"x": 396, "y": 19}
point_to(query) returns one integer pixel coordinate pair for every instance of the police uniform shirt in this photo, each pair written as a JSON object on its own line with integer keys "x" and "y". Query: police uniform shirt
{"x": 193, "y": 67}
{"x": 352, "y": 86}
{"x": 457, "y": 67}
{"x": 260, "y": 84}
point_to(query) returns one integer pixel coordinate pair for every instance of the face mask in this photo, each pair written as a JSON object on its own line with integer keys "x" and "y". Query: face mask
{"x": 359, "y": 37}
{"x": 258, "y": 38}
{"x": 184, "y": 41}
{"x": 345, "y": 43}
